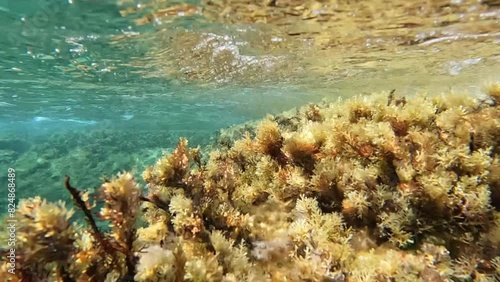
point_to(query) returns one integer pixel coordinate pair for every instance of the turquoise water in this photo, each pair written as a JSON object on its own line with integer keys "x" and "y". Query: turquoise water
{"x": 72, "y": 103}
{"x": 86, "y": 92}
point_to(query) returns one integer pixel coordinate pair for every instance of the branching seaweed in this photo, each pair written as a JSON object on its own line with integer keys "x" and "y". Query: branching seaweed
{"x": 376, "y": 188}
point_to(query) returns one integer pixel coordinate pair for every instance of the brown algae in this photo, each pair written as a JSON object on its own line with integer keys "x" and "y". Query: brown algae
{"x": 374, "y": 188}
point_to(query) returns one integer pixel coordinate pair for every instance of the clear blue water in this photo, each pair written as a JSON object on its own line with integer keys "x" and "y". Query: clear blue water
{"x": 86, "y": 92}
{"x": 72, "y": 103}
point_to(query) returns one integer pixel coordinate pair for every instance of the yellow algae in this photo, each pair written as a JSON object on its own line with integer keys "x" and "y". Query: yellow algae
{"x": 330, "y": 192}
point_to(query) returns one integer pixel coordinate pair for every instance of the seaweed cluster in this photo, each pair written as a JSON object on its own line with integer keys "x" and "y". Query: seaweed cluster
{"x": 375, "y": 188}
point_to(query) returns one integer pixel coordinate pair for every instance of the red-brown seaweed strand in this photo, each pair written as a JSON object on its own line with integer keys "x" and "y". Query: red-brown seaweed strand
{"x": 77, "y": 199}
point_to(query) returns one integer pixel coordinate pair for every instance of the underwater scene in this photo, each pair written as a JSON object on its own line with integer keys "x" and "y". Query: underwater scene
{"x": 250, "y": 140}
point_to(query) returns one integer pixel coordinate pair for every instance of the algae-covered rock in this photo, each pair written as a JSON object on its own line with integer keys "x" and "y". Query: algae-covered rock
{"x": 374, "y": 188}
{"x": 8, "y": 156}
{"x": 13, "y": 144}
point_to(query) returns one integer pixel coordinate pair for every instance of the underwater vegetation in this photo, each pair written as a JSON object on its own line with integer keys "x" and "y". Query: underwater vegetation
{"x": 92, "y": 152}
{"x": 374, "y": 188}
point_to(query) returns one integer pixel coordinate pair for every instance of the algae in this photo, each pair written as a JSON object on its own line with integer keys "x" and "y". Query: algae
{"x": 373, "y": 188}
